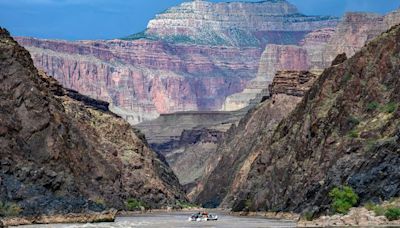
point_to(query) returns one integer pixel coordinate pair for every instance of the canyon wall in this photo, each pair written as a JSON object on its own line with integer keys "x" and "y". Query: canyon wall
{"x": 277, "y": 58}
{"x": 315, "y": 52}
{"x": 188, "y": 140}
{"x": 63, "y": 152}
{"x": 143, "y": 79}
{"x": 227, "y": 170}
{"x": 190, "y": 58}
{"x": 345, "y": 131}
{"x": 235, "y": 23}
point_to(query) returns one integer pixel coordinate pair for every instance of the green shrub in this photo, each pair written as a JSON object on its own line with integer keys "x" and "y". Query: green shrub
{"x": 379, "y": 210}
{"x": 100, "y": 201}
{"x": 343, "y": 199}
{"x": 390, "y": 107}
{"x": 353, "y": 121}
{"x": 308, "y": 216}
{"x": 9, "y": 209}
{"x": 134, "y": 204}
{"x": 370, "y": 206}
{"x": 372, "y": 106}
{"x": 354, "y": 134}
{"x": 248, "y": 203}
{"x": 393, "y": 214}
{"x": 183, "y": 204}
{"x": 347, "y": 77}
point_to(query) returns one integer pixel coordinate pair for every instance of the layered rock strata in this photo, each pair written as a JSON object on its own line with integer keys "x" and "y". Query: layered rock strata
{"x": 235, "y": 23}
{"x": 315, "y": 52}
{"x": 357, "y": 29}
{"x": 63, "y": 152}
{"x": 229, "y": 166}
{"x": 308, "y": 55}
{"x": 143, "y": 79}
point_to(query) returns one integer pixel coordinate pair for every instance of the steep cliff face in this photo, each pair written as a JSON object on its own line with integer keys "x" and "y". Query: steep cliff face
{"x": 192, "y": 152}
{"x": 190, "y": 58}
{"x": 235, "y": 23}
{"x": 188, "y": 140}
{"x": 229, "y": 166}
{"x": 64, "y": 152}
{"x": 315, "y": 52}
{"x": 274, "y": 58}
{"x": 344, "y": 132}
{"x": 357, "y": 29}
{"x": 143, "y": 79}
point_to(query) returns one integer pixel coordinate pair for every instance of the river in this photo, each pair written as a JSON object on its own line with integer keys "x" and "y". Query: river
{"x": 177, "y": 219}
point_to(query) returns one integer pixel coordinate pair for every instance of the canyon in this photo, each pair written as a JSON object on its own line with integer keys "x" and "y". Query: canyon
{"x": 253, "y": 106}
{"x": 172, "y": 66}
{"x": 63, "y": 152}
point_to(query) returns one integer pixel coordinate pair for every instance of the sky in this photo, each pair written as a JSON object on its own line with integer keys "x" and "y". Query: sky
{"x": 107, "y": 19}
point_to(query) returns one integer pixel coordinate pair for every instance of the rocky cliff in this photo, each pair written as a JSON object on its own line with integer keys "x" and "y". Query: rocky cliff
{"x": 143, "y": 79}
{"x": 235, "y": 23}
{"x": 64, "y": 152}
{"x": 315, "y": 52}
{"x": 357, "y": 29}
{"x": 188, "y": 140}
{"x": 190, "y": 58}
{"x": 229, "y": 166}
{"x": 345, "y": 131}
{"x": 274, "y": 58}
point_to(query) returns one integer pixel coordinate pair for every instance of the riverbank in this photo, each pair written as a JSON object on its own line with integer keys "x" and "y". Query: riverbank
{"x": 356, "y": 217}
{"x": 107, "y": 216}
{"x": 269, "y": 215}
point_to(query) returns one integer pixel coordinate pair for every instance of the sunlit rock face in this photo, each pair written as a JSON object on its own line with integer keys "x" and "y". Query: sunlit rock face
{"x": 315, "y": 52}
{"x": 142, "y": 78}
{"x": 235, "y": 23}
{"x": 190, "y": 58}
{"x": 357, "y": 29}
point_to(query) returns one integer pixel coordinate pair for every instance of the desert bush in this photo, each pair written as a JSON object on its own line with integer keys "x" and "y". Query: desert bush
{"x": 134, "y": 204}
{"x": 393, "y": 213}
{"x": 343, "y": 198}
{"x": 372, "y": 106}
{"x": 9, "y": 209}
{"x": 379, "y": 210}
{"x": 390, "y": 107}
{"x": 354, "y": 134}
{"x": 183, "y": 204}
{"x": 308, "y": 215}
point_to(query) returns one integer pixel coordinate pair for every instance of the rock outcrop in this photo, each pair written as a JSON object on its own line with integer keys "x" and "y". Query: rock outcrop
{"x": 235, "y": 23}
{"x": 227, "y": 169}
{"x": 345, "y": 131}
{"x": 63, "y": 152}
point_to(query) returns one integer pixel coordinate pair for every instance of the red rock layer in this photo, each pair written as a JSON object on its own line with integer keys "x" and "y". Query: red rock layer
{"x": 145, "y": 78}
